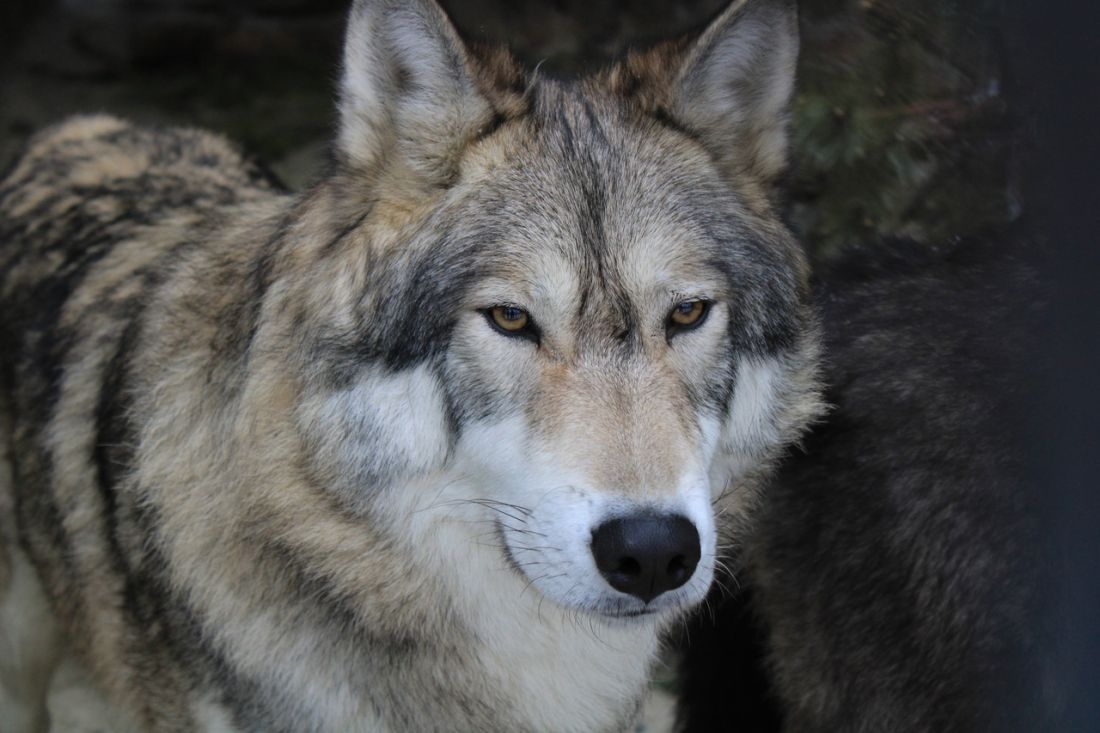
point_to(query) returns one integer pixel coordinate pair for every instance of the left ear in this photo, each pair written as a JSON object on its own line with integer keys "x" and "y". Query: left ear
{"x": 731, "y": 85}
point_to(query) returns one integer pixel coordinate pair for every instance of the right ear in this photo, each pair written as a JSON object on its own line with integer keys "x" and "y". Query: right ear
{"x": 730, "y": 85}
{"x": 407, "y": 97}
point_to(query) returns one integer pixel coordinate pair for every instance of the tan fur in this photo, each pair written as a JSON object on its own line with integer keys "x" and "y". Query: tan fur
{"x": 278, "y": 470}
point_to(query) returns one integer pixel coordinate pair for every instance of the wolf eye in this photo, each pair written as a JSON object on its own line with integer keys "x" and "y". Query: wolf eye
{"x": 511, "y": 320}
{"x": 687, "y": 315}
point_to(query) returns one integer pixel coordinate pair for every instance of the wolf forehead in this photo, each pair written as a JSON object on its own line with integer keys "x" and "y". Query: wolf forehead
{"x": 584, "y": 194}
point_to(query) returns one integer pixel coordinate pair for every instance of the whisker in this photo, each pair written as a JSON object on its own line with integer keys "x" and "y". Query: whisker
{"x": 536, "y": 548}
{"x": 531, "y": 581}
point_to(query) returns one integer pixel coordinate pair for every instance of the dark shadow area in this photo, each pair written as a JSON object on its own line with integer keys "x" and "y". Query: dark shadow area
{"x": 900, "y": 124}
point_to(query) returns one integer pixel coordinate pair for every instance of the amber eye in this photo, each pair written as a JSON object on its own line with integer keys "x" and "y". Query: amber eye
{"x": 509, "y": 318}
{"x": 688, "y": 314}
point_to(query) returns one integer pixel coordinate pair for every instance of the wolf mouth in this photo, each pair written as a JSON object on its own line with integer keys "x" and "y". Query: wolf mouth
{"x": 606, "y": 608}
{"x": 627, "y": 615}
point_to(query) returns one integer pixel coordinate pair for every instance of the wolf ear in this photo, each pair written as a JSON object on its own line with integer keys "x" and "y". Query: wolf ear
{"x": 406, "y": 96}
{"x": 736, "y": 81}
{"x": 731, "y": 85}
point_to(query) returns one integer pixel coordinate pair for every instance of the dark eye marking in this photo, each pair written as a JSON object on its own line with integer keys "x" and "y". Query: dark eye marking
{"x": 512, "y": 321}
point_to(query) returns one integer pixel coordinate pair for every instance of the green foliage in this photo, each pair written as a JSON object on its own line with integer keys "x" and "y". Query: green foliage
{"x": 899, "y": 127}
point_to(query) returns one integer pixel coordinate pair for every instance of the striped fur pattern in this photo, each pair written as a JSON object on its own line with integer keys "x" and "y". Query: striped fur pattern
{"x": 273, "y": 468}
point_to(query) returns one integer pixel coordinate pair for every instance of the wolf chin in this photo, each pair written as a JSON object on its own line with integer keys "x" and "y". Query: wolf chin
{"x": 443, "y": 443}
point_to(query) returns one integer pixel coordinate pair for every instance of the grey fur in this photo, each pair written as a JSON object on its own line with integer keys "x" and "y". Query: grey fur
{"x": 891, "y": 581}
{"x": 235, "y": 415}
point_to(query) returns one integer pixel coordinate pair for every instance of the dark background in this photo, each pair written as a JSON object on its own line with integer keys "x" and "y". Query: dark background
{"x": 901, "y": 124}
{"x": 930, "y": 120}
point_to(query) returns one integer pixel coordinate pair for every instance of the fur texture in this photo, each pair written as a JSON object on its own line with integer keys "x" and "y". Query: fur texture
{"x": 276, "y": 468}
{"x": 890, "y": 583}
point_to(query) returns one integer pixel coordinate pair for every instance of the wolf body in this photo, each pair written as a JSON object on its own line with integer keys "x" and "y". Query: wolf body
{"x": 444, "y": 442}
{"x": 890, "y": 582}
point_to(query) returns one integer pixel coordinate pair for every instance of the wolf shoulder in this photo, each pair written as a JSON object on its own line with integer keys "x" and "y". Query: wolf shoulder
{"x": 95, "y": 171}
{"x": 96, "y": 192}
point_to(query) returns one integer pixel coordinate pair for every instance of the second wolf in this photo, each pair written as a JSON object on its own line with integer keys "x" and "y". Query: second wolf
{"x": 892, "y": 579}
{"x": 436, "y": 445}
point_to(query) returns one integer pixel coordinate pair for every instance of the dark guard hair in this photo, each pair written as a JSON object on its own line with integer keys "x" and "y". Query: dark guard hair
{"x": 889, "y": 585}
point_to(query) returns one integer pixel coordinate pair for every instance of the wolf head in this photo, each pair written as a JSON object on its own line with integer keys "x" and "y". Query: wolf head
{"x": 563, "y": 315}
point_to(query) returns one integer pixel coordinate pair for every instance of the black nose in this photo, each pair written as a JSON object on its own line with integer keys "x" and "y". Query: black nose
{"x": 646, "y": 554}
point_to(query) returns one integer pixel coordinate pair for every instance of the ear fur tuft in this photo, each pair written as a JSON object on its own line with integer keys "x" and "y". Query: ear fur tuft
{"x": 730, "y": 86}
{"x": 407, "y": 96}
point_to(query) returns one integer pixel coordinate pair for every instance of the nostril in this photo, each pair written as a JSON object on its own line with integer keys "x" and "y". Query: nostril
{"x": 645, "y": 555}
{"x": 629, "y": 566}
{"x": 677, "y": 566}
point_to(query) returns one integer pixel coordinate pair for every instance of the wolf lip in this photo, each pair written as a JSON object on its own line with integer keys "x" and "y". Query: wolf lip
{"x": 633, "y": 614}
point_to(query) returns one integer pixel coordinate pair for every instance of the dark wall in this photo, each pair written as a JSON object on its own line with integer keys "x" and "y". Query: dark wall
{"x": 901, "y": 125}
{"x": 1059, "y": 72}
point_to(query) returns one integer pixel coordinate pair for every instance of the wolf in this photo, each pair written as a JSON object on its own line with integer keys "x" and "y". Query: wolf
{"x": 891, "y": 581}
{"x": 443, "y": 443}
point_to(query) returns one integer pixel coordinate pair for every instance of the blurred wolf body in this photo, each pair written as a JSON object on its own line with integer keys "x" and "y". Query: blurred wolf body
{"x": 891, "y": 583}
{"x": 443, "y": 443}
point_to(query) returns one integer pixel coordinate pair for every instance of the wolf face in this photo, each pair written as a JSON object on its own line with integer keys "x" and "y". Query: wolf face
{"x": 582, "y": 314}
{"x": 360, "y": 459}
